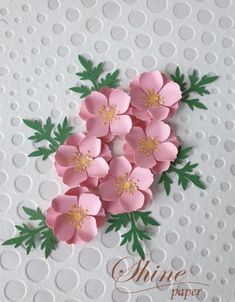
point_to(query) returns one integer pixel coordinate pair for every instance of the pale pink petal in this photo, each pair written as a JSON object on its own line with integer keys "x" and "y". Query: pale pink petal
{"x": 166, "y": 151}
{"x": 158, "y": 129}
{"x": 90, "y": 145}
{"x": 132, "y": 202}
{"x": 135, "y": 82}
{"x": 77, "y": 191}
{"x": 106, "y": 91}
{"x": 134, "y": 136}
{"x": 129, "y": 152}
{"x": 105, "y": 152}
{"x": 142, "y": 115}
{"x": 160, "y": 113}
{"x": 91, "y": 202}
{"x": 63, "y": 203}
{"x": 100, "y": 218}
{"x": 63, "y": 230}
{"x": 144, "y": 161}
{"x": 96, "y": 127}
{"x": 137, "y": 96}
{"x": 173, "y": 139}
{"x": 75, "y": 239}
{"x": 161, "y": 167}
{"x": 108, "y": 138}
{"x": 121, "y": 99}
{"x": 108, "y": 190}
{"x": 114, "y": 207}
{"x": 95, "y": 101}
{"x": 144, "y": 177}
{"x": 171, "y": 93}
{"x": 63, "y": 155}
{"x": 73, "y": 178}
{"x": 98, "y": 168}
{"x": 88, "y": 230}
{"x": 90, "y": 182}
{"x": 59, "y": 169}
{"x": 173, "y": 109}
{"x": 121, "y": 126}
{"x": 84, "y": 113}
{"x": 120, "y": 166}
{"x": 75, "y": 139}
{"x": 151, "y": 80}
{"x": 51, "y": 216}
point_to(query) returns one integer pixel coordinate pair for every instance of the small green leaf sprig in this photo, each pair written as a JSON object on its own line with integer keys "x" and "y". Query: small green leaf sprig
{"x": 196, "y": 85}
{"x": 93, "y": 74}
{"x": 43, "y": 132}
{"x": 185, "y": 173}
{"x": 135, "y": 233}
{"x": 28, "y": 235}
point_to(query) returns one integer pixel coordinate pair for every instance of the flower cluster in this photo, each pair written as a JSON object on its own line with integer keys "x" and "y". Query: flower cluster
{"x": 101, "y": 181}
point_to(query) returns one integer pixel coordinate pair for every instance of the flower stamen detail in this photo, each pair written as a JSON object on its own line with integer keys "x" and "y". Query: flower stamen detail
{"x": 152, "y": 98}
{"x": 125, "y": 184}
{"x": 147, "y": 145}
{"x": 81, "y": 161}
{"x": 108, "y": 113}
{"x": 76, "y": 216}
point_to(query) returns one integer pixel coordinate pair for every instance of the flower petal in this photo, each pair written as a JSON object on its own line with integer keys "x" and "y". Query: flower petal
{"x": 137, "y": 95}
{"x": 73, "y": 178}
{"x": 161, "y": 167}
{"x": 95, "y": 127}
{"x": 166, "y": 151}
{"x": 114, "y": 207}
{"x": 143, "y": 176}
{"x": 75, "y": 139}
{"x": 121, "y": 126}
{"x": 51, "y": 216}
{"x": 94, "y": 101}
{"x": 88, "y": 230}
{"x": 100, "y": 218}
{"x": 142, "y": 115}
{"x": 158, "y": 129}
{"x": 84, "y": 113}
{"x": 108, "y": 190}
{"x": 132, "y": 202}
{"x": 160, "y": 113}
{"x": 119, "y": 166}
{"x": 134, "y": 136}
{"x": 144, "y": 161}
{"x": 63, "y": 203}
{"x": 63, "y": 230}
{"x": 151, "y": 80}
{"x": 90, "y": 182}
{"x": 121, "y": 99}
{"x": 90, "y": 145}
{"x": 63, "y": 155}
{"x": 171, "y": 93}
{"x": 98, "y": 168}
{"x": 76, "y": 191}
{"x": 91, "y": 202}
{"x": 129, "y": 152}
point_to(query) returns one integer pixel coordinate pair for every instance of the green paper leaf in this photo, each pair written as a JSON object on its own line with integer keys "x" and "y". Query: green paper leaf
{"x": 134, "y": 234}
{"x": 44, "y": 132}
{"x": 196, "y": 85}
{"x": 27, "y": 234}
{"x": 93, "y": 74}
{"x": 185, "y": 173}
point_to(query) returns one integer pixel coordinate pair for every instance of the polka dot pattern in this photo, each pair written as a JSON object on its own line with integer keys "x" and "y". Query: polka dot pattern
{"x": 38, "y": 50}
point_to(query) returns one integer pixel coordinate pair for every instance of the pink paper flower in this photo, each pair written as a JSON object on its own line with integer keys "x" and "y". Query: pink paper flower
{"x": 125, "y": 185}
{"x": 73, "y": 218}
{"x": 105, "y": 113}
{"x": 152, "y": 145}
{"x": 79, "y": 161}
{"x": 154, "y": 96}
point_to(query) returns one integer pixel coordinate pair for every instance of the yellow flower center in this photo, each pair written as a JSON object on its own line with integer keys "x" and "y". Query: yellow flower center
{"x": 76, "y": 216}
{"x": 125, "y": 184}
{"x": 152, "y": 98}
{"x": 108, "y": 113}
{"x": 147, "y": 145}
{"x": 81, "y": 161}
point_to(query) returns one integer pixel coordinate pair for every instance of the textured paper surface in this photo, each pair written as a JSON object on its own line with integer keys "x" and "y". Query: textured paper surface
{"x": 39, "y": 43}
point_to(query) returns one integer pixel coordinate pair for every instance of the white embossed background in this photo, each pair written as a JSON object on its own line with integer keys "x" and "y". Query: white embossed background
{"x": 39, "y": 44}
